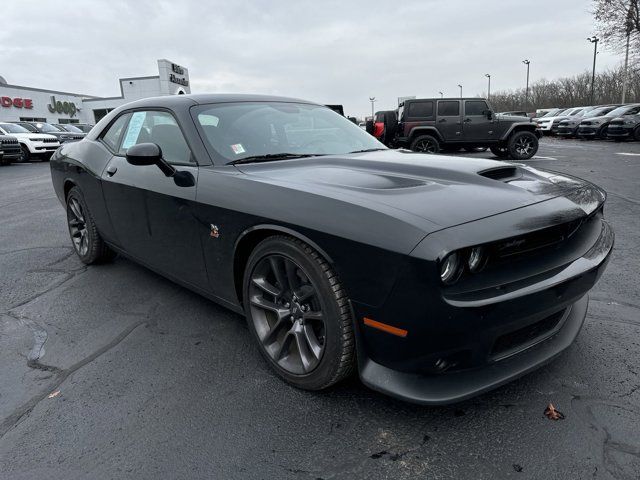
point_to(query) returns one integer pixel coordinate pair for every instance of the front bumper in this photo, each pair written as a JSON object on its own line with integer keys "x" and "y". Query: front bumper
{"x": 619, "y": 132}
{"x": 502, "y": 334}
{"x": 588, "y": 132}
{"x": 566, "y": 131}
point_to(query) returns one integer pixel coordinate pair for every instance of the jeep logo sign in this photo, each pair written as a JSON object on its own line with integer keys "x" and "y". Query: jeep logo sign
{"x": 62, "y": 107}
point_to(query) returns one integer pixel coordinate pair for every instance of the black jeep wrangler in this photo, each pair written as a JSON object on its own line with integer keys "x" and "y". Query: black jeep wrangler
{"x": 435, "y": 124}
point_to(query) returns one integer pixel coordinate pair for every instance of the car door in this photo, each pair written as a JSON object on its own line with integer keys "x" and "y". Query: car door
{"x": 449, "y": 122}
{"x": 152, "y": 216}
{"x": 476, "y": 124}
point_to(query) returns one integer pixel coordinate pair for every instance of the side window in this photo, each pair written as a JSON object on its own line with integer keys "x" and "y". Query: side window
{"x": 449, "y": 108}
{"x": 420, "y": 110}
{"x": 475, "y": 107}
{"x": 112, "y": 136}
{"x": 633, "y": 111}
{"x": 159, "y": 128}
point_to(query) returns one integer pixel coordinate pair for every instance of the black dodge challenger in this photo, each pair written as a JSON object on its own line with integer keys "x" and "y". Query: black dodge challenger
{"x": 435, "y": 277}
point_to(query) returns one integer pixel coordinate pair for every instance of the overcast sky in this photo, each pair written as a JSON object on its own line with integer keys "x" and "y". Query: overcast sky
{"x": 327, "y": 51}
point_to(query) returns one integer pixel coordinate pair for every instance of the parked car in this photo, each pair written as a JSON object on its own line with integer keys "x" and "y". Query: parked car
{"x": 9, "y": 149}
{"x": 569, "y": 126}
{"x": 547, "y": 112}
{"x": 596, "y": 127}
{"x": 31, "y": 144}
{"x": 69, "y": 128}
{"x": 550, "y": 125}
{"x": 624, "y": 128}
{"x": 42, "y": 127}
{"x": 435, "y": 278}
{"x": 432, "y": 124}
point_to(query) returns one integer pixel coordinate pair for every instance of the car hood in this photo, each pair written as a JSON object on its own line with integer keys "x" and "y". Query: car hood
{"x": 602, "y": 118}
{"x": 39, "y": 136}
{"x": 444, "y": 190}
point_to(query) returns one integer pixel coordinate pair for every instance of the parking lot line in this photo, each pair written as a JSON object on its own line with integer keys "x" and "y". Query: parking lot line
{"x": 628, "y": 153}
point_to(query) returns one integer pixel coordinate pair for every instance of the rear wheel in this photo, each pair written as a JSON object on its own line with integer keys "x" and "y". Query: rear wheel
{"x": 501, "y": 152}
{"x": 85, "y": 238}
{"x": 522, "y": 145}
{"x": 299, "y": 313}
{"x": 425, "y": 144}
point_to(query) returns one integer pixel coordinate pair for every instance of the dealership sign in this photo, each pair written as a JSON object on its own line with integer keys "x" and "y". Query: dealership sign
{"x": 177, "y": 69}
{"x": 62, "y": 107}
{"x": 16, "y": 102}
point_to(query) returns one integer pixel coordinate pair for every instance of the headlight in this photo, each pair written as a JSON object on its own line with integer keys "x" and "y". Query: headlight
{"x": 477, "y": 259}
{"x": 450, "y": 270}
{"x": 35, "y": 139}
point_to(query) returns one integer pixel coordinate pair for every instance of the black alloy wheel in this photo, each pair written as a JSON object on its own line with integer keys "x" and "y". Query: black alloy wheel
{"x": 86, "y": 240}
{"x": 425, "y": 144}
{"x": 522, "y": 145}
{"x": 298, "y": 313}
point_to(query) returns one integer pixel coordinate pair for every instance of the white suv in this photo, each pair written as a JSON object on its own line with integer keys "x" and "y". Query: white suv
{"x": 31, "y": 144}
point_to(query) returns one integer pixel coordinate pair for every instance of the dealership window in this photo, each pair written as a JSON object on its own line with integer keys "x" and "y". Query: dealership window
{"x": 449, "y": 108}
{"x": 159, "y": 128}
{"x": 475, "y": 107}
{"x": 420, "y": 110}
{"x": 100, "y": 113}
{"x": 32, "y": 119}
{"x": 65, "y": 121}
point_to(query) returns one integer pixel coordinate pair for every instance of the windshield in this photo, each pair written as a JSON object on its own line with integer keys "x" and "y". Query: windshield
{"x": 575, "y": 112}
{"x": 45, "y": 127}
{"x": 13, "y": 128}
{"x": 620, "y": 111}
{"x": 551, "y": 113}
{"x": 70, "y": 128}
{"x": 598, "y": 111}
{"x": 253, "y": 129}
{"x": 563, "y": 112}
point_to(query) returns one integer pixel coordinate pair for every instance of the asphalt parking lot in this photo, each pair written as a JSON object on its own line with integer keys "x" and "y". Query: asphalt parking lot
{"x": 114, "y": 372}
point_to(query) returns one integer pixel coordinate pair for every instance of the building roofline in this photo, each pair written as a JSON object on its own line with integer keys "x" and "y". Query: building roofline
{"x": 35, "y": 89}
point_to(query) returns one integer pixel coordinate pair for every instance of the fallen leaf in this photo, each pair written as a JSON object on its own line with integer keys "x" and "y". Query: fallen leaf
{"x": 552, "y": 414}
{"x": 54, "y": 394}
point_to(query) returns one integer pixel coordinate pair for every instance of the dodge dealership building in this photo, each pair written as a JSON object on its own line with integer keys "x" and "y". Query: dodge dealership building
{"x": 38, "y": 104}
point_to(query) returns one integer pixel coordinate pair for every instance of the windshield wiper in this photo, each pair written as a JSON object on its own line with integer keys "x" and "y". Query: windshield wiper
{"x": 368, "y": 150}
{"x": 271, "y": 156}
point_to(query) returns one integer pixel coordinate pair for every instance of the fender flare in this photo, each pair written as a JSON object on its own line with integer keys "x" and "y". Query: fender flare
{"x": 424, "y": 130}
{"x": 518, "y": 126}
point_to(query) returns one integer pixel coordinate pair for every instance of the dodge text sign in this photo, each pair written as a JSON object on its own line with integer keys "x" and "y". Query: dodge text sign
{"x": 16, "y": 102}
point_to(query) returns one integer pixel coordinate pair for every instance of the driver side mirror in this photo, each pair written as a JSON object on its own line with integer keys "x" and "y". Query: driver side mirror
{"x": 145, "y": 154}
{"x": 489, "y": 114}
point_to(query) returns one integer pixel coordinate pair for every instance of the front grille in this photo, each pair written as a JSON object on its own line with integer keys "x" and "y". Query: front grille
{"x": 10, "y": 142}
{"x": 517, "y": 340}
{"x": 616, "y": 123}
{"x": 49, "y": 140}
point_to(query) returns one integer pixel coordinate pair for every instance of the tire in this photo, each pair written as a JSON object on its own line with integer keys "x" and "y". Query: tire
{"x": 636, "y": 134}
{"x": 522, "y": 145}
{"x": 425, "y": 144}
{"x": 500, "y": 152}
{"x": 475, "y": 149}
{"x": 86, "y": 240}
{"x": 306, "y": 337}
{"x": 25, "y": 154}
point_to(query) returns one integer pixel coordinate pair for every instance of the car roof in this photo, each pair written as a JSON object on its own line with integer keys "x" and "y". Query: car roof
{"x": 206, "y": 98}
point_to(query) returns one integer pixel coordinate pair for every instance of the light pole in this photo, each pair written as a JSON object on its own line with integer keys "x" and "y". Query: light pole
{"x": 441, "y": 94}
{"x": 526, "y": 92}
{"x": 460, "y": 90}
{"x": 595, "y": 41}
{"x": 625, "y": 78}
{"x": 489, "y": 87}
{"x": 372, "y": 100}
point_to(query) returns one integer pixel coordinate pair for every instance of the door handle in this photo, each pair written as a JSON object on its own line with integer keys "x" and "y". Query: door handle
{"x": 111, "y": 170}
{"x": 442, "y": 120}
{"x": 467, "y": 120}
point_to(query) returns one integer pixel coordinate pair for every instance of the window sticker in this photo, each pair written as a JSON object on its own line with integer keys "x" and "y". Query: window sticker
{"x": 238, "y": 148}
{"x": 135, "y": 125}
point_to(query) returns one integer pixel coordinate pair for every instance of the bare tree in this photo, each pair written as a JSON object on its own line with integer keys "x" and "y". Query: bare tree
{"x": 615, "y": 20}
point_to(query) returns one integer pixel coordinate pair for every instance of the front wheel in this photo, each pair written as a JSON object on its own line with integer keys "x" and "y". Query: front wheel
{"x": 25, "y": 154}
{"x": 425, "y": 144}
{"x": 85, "y": 238}
{"x": 636, "y": 134}
{"x": 298, "y": 312}
{"x": 522, "y": 145}
{"x": 500, "y": 152}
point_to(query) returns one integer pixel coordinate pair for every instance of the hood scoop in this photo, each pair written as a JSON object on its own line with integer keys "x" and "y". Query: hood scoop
{"x": 502, "y": 174}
